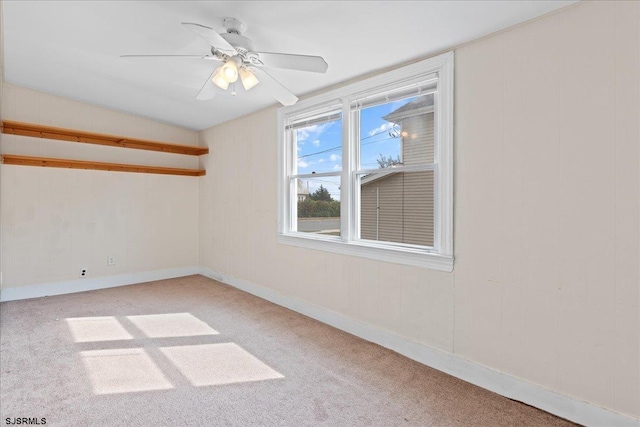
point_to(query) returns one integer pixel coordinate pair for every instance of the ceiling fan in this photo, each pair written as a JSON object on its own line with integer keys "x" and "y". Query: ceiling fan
{"x": 241, "y": 61}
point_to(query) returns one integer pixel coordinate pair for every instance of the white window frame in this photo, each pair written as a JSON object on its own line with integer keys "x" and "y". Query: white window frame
{"x": 440, "y": 257}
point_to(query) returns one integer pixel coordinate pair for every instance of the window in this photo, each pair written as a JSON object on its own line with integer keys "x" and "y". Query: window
{"x": 366, "y": 169}
{"x": 315, "y": 174}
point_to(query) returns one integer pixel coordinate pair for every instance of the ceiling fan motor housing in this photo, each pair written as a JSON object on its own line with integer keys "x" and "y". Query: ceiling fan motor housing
{"x": 238, "y": 41}
{"x": 234, "y": 36}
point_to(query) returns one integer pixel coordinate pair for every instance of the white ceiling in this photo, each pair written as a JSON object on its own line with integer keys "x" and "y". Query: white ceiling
{"x": 72, "y": 48}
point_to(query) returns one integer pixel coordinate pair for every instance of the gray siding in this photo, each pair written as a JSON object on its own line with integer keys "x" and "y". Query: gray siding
{"x": 418, "y": 201}
{"x": 405, "y": 213}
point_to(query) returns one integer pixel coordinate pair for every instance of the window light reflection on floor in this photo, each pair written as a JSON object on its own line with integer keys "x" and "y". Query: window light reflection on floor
{"x": 217, "y": 364}
{"x": 171, "y": 325}
{"x": 128, "y": 370}
{"x": 123, "y": 371}
{"x": 91, "y": 329}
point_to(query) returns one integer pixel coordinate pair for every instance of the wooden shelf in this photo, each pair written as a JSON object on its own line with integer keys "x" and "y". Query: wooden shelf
{"x": 49, "y": 132}
{"x": 10, "y": 159}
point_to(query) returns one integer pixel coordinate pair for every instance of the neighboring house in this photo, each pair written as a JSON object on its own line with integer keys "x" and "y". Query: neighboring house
{"x": 398, "y": 207}
{"x": 303, "y": 193}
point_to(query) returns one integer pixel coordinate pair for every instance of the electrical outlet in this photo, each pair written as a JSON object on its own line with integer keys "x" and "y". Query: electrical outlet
{"x": 84, "y": 272}
{"x": 111, "y": 260}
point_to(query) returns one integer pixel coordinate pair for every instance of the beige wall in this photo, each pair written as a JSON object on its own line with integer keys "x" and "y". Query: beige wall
{"x": 56, "y": 221}
{"x": 547, "y": 203}
{"x": 545, "y": 282}
{"x": 1, "y": 115}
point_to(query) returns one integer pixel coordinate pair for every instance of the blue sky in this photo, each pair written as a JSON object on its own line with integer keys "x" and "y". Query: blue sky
{"x": 320, "y": 146}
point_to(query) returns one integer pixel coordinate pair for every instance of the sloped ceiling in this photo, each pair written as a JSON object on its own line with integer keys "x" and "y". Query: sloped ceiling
{"x": 72, "y": 48}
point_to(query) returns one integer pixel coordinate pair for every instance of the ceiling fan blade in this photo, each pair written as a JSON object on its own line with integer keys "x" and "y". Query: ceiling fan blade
{"x": 279, "y": 92}
{"x": 172, "y": 56}
{"x": 211, "y": 36}
{"x": 208, "y": 89}
{"x": 316, "y": 64}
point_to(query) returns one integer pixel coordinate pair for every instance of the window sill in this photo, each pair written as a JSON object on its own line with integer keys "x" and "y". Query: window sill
{"x": 399, "y": 255}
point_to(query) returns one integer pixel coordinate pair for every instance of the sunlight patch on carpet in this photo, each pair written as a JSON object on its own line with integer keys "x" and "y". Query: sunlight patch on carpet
{"x": 123, "y": 371}
{"x": 171, "y": 325}
{"x": 217, "y": 364}
{"x": 91, "y": 329}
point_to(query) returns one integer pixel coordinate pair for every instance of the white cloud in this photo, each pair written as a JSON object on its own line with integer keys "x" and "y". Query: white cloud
{"x": 334, "y": 157}
{"x": 321, "y": 160}
{"x": 302, "y": 164}
{"x": 316, "y": 142}
{"x": 312, "y": 131}
{"x": 336, "y": 167}
{"x": 383, "y": 127}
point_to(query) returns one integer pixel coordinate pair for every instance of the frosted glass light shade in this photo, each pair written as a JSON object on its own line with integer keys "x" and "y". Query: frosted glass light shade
{"x": 248, "y": 79}
{"x": 229, "y": 71}
{"x": 219, "y": 81}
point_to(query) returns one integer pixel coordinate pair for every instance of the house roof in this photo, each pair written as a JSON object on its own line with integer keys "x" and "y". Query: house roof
{"x": 368, "y": 179}
{"x": 424, "y": 103}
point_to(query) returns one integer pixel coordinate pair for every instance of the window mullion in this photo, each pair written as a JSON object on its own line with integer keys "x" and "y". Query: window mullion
{"x": 316, "y": 175}
{"x": 346, "y": 186}
{"x": 354, "y": 145}
{"x": 293, "y": 168}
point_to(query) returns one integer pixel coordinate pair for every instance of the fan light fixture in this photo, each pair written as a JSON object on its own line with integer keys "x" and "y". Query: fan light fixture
{"x": 228, "y": 74}
{"x": 241, "y": 60}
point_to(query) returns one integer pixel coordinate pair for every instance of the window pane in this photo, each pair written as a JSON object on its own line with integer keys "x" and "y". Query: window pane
{"x": 397, "y": 133}
{"x": 319, "y": 144}
{"x": 397, "y": 207}
{"x": 319, "y": 205}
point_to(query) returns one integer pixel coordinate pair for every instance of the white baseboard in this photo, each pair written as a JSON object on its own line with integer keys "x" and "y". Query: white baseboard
{"x": 92, "y": 283}
{"x": 499, "y": 382}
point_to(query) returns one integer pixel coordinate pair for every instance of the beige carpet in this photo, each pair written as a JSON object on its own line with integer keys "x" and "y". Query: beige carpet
{"x": 192, "y": 351}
